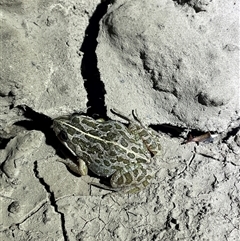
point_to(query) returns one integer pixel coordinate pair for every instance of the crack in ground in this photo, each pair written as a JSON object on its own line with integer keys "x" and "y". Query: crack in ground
{"x": 89, "y": 70}
{"x": 4, "y": 142}
{"x": 51, "y": 199}
{"x": 232, "y": 130}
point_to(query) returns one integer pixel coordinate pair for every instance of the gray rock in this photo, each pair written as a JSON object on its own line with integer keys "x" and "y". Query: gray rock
{"x": 172, "y": 64}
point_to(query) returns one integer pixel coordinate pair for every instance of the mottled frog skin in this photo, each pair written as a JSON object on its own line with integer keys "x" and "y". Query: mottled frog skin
{"x": 110, "y": 148}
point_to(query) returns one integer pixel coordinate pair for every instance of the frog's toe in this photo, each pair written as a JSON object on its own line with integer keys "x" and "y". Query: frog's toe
{"x": 83, "y": 169}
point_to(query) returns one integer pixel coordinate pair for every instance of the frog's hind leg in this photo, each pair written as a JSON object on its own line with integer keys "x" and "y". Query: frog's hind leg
{"x": 115, "y": 112}
{"x": 134, "y": 121}
{"x": 147, "y": 135}
{"x": 151, "y": 140}
{"x": 131, "y": 181}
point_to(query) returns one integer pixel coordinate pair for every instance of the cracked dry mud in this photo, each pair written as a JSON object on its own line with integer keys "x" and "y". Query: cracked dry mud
{"x": 175, "y": 62}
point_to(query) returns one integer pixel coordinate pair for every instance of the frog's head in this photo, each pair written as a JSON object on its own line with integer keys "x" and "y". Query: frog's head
{"x": 66, "y": 129}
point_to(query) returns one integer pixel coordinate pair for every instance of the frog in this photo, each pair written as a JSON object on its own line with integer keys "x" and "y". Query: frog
{"x": 112, "y": 149}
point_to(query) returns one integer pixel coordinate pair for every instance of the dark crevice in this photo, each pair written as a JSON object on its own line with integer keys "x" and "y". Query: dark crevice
{"x": 40, "y": 122}
{"x": 51, "y": 199}
{"x": 168, "y": 221}
{"x": 175, "y": 131}
{"x": 182, "y": 132}
{"x": 4, "y": 142}
{"x": 36, "y": 121}
{"x": 232, "y": 132}
{"x": 89, "y": 70}
{"x": 196, "y": 7}
{"x": 168, "y": 129}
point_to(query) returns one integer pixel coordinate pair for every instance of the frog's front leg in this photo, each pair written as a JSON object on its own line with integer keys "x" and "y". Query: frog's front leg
{"x": 79, "y": 167}
{"x": 131, "y": 179}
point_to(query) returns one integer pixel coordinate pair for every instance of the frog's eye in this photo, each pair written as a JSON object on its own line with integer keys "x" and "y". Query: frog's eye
{"x": 63, "y": 135}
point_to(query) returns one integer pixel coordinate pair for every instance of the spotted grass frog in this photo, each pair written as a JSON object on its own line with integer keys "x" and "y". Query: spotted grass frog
{"x": 110, "y": 149}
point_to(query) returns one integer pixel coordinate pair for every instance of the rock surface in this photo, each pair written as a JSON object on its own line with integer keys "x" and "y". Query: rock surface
{"x": 181, "y": 65}
{"x": 175, "y": 62}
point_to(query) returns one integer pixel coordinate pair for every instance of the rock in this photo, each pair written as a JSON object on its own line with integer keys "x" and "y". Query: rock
{"x": 172, "y": 64}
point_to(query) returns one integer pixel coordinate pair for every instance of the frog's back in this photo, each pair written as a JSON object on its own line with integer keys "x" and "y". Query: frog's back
{"x": 109, "y": 131}
{"x": 107, "y": 146}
